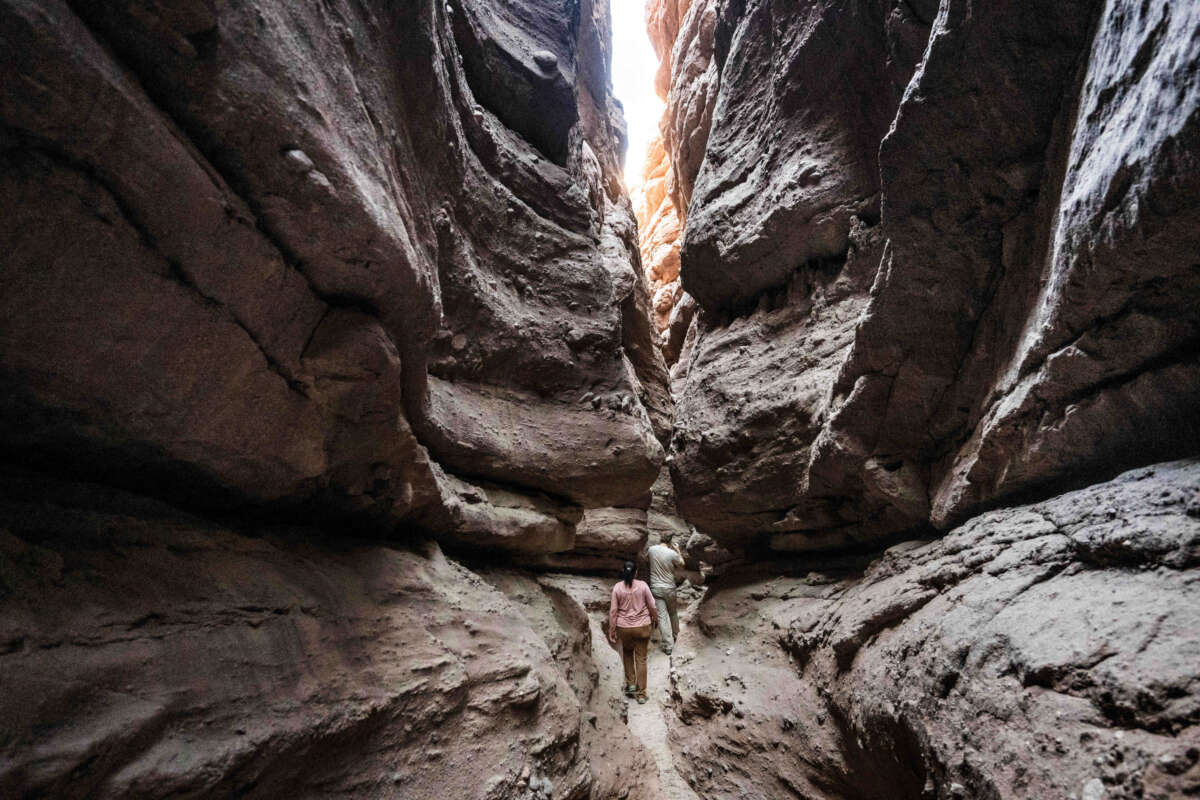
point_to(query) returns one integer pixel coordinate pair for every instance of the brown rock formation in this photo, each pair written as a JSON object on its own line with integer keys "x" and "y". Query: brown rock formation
{"x": 691, "y": 97}
{"x": 361, "y": 259}
{"x": 659, "y": 232}
{"x": 682, "y": 36}
{"x": 1042, "y": 651}
{"x": 293, "y": 296}
{"x": 604, "y": 539}
{"x": 148, "y": 652}
{"x": 952, "y": 291}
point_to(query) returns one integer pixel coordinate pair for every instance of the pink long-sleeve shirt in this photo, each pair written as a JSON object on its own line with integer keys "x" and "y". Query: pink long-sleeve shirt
{"x": 631, "y": 606}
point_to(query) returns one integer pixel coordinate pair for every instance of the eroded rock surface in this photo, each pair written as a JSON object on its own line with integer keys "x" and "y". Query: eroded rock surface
{"x": 1047, "y": 650}
{"x": 365, "y": 259}
{"x": 147, "y": 652}
{"x": 681, "y": 33}
{"x": 288, "y": 289}
{"x": 314, "y": 272}
{"x": 1028, "y": 319}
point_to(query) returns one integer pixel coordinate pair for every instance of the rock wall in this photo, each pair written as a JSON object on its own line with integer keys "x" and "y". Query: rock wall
{"x": 660, "y": 227}
{"x": 945, "y": 261}
{"x": 682, "y": 35}
{"x": 1047, "y": 650}
{"x": 362, "y": 260}
{"x": 287, "y": 289}
{"x": 148, "y": 652}
{"x": 949, "y": 266}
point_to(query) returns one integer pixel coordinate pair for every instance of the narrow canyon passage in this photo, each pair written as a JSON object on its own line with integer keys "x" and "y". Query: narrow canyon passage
{"x": 650, "y": 723}
{"x": 647, "y": 724}
{"x": 348, "y": 350}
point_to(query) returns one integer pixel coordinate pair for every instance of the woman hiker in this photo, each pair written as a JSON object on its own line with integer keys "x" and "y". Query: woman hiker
{"x": 630, "y": 617}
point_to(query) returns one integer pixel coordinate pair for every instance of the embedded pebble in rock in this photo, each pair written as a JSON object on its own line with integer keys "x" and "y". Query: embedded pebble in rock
{"x": 298, "y": 161}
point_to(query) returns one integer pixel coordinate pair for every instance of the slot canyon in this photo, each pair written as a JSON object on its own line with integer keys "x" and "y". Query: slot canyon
{"x": 342, "y": 369}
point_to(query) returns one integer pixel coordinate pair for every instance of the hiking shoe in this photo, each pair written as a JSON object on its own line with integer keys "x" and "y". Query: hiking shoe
{"x": 642, "y": 699}
{"x": 630, "y": 691}
{"x": 667, "y": 650}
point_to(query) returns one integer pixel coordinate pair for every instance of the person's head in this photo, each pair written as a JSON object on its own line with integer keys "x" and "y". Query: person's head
{"x": 627, "y": 572}
{"x": 666, "y": 537}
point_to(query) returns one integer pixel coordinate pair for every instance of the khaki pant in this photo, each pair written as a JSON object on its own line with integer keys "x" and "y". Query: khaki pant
{"x": 632, "y": 642}
{"x": 668, "y": 616}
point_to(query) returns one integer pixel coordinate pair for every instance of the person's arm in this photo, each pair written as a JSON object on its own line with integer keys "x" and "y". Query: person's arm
{"x": 612, "y": 616}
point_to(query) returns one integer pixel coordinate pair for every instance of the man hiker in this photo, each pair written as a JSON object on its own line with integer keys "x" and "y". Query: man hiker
{"x": 665, "y": 564}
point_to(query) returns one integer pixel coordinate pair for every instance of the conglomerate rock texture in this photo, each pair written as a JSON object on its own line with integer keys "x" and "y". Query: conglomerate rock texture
{"x": 945, "y": 256}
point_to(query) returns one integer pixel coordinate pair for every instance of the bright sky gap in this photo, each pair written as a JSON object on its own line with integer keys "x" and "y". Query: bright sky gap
{"x": 633, "y": 66}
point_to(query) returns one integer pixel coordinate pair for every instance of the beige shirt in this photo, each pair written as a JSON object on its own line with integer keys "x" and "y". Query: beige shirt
{"x": 663, "y": 559}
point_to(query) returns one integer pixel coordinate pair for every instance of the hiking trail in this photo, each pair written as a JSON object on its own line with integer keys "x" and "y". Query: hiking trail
{"x": 648, "y": 723}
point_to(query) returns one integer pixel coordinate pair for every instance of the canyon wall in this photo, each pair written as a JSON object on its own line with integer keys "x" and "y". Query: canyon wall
{"x": 149, "y": 652}
{"x": 1040, "y": 651}
{"x": 332, "y": 383}
{"x": 286, "y": 290}
{"x": 946, "y": 264}
{"x": 669, "y": 170}
{"x": 946, "y": 258}
{"x": 367, "y": 262}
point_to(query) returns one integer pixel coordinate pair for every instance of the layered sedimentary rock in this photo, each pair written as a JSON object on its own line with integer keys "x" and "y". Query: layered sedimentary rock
{"x": 685, "y": 43}
{"x": 288, "y": 289}
{"x": 659, "y": 230}
{"x": 604, "y": 539}
{"x": 279, "y": 275}
{"x": 145, "y": 651}
{"x": 926, "y": 290}
{"x": 1048, "y": 650}
{"x": 363, "y": 259}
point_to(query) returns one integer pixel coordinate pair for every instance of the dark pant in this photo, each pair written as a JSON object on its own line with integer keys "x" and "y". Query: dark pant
{"x": 633, "y": 643}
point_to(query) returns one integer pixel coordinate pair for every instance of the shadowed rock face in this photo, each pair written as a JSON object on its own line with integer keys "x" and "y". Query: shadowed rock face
{"x": 147, "y": 652}
{"x": 366, "y": 265}
{"x": 1028, "y": 314}
{"x": 368, "y": 259}
{"x": 1048, "y": 650}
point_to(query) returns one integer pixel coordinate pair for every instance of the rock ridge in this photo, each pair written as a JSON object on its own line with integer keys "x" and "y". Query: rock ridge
{"x": 1015, "y": 311}
{"x": 1037, "y": 651}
